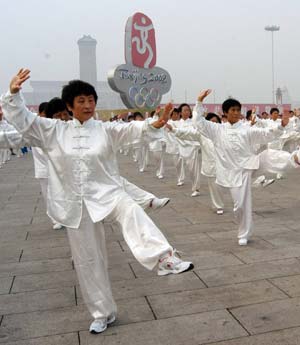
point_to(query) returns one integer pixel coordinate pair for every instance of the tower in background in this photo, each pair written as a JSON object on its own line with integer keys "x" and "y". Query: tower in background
{"x": 87, "y": 59}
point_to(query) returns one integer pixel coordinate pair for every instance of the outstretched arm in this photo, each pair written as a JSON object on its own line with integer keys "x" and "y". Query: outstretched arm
{"x": 190, "y": 134}
{"x": 33, "y": 128}
{"x": 207, "y": 128}
{"x": 137, "y": 130}
{"x": 265, "y": 135}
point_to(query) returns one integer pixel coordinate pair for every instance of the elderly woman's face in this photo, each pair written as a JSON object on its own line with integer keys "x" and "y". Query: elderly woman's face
{"x": 83, "y": 107}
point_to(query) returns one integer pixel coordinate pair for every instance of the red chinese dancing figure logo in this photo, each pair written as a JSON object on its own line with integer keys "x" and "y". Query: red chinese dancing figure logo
{"x": 140, "y": 47}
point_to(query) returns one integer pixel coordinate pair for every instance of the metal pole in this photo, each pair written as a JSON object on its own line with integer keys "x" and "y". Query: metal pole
{"x": 273, "y": 78}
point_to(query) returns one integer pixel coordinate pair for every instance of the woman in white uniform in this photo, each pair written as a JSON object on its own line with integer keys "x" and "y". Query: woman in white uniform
{"x": 236, "y": 159}
{"x": 85, "y": 188}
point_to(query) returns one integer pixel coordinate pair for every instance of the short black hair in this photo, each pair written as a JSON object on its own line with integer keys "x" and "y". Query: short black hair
{"x": 42, "y": 107}
{"x": 229, "y": 103}
{"x": 77, "y": 88}
{"x": 210, "y": 116}
{"x": 248, "y": 114}
{"x": 273, "y": 110}
{"x": 137, "y": 113}
{"x": 54, "y": 106}
{"x": 130, "y": 117}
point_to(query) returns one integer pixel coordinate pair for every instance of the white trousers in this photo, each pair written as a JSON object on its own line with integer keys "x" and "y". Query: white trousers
{"x": 194, "y": 167}
{"x": 215, "y": 192}
{"x": 179, "y": 166}
{"x": 270, "y": 162}
{"x": 140, "y": 196}
{"x": 159, "y": 157}
{"x": 142, "y": 157}
{"x": 88, "y": 248}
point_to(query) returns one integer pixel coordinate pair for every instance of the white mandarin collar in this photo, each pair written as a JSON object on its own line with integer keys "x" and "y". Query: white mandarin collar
{"x": 86, "y": 124}
{"x": 235, "y": 125}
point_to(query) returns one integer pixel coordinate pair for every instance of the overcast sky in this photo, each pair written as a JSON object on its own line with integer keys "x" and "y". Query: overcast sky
{"x": 218, "y": 44}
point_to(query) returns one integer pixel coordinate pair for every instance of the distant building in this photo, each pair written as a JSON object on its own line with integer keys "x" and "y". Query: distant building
{"x": 44, "y": 90}
{"x": 87, "y": 59}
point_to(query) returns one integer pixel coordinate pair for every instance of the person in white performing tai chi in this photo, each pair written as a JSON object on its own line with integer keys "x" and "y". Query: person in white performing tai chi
{"x": 85, "y": 188}
{"x": 236, "y": 159}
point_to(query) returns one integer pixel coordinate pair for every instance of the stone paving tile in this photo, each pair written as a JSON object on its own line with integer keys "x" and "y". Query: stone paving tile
{"x": 10, "y": 255}
{"x": 37, "y": 300}
{"x": 270, "y": 316}
{"x": 192, "y": 330}
{"x": 43, "y": 323}
{"x": 50, "y": 233}
{"x": 290, "y": 285}
{"x": 44, "y": 281}
{"x": 67, "y": 320}
{"x": 45, "y": 254}
{"x": 36, "y": 244}
{"x": 202, "y": 300}
{"x": 246, "y": 273}
{"x": 8, "y": 234}
{"x": 32, "y": 267}
{"x": 64, "y": 339}
{"x": 155, "y": 285}
{"x": 286, "y": 337}
{"x": 284, "y": 239}
{"x": 198, "y": 228}
{"x": 5, "y": 284}
{"x": 249, "y": 255}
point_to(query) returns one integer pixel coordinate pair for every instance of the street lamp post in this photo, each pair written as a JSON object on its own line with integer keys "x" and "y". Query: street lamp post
{"x": 272, "y": 29}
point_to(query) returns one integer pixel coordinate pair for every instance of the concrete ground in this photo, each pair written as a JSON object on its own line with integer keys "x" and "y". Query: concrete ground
{"x": 234, "y": 296}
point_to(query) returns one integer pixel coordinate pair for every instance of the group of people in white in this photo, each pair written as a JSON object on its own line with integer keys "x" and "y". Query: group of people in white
{"x": 76, "y": 162}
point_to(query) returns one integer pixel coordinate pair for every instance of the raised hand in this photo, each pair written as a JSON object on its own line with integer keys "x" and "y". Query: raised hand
{"x": 157, "y": 110}
{"x": 168, "y": 109}
{"x": 17, "y": 81}
{"x": 203, "y": 94}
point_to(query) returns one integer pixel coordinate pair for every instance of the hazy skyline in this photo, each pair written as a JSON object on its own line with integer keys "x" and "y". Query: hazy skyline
{"x": 217, "y": 44}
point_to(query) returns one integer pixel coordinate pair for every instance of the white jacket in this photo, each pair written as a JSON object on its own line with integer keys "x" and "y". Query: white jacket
{"x": 82, "y": 163}
{"x": 234, "y": 145}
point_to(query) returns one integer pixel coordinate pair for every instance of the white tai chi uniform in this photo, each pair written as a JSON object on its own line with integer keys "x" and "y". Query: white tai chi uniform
{"x": 237, "y": 161}
{"x": 84, "y": 188}
{"x": 190, "y": 153}
{"x": 5, "y": 152}
{"x": 208, "y": 167}
{"x": 172, "y": 148}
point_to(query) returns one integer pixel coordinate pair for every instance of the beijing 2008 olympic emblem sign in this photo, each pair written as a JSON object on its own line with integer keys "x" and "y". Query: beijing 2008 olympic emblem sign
{"x": 139, "y": 82}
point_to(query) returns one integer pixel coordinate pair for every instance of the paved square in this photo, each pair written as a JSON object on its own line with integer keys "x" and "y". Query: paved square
{"x": 234, "y": 296}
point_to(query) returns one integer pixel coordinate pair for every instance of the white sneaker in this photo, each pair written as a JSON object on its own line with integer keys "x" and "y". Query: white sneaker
{"x": 171, "y": 264}
{"x": 157, "y": 203}
{"x": 220, "y": 211}
{"x": 243, "y": 241}
{"x": 160, "y": 176}
{"x": 279, "y": 177}
{"x": 195, "y": 193}
{"x": 98, "y": 326}
{"x": 259, "y": 181}
{"x": 141, "y": 170}
{"x": 267, "y": 183}
{"x": 180, "y": 183}
{"x": 57, "y": 226}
